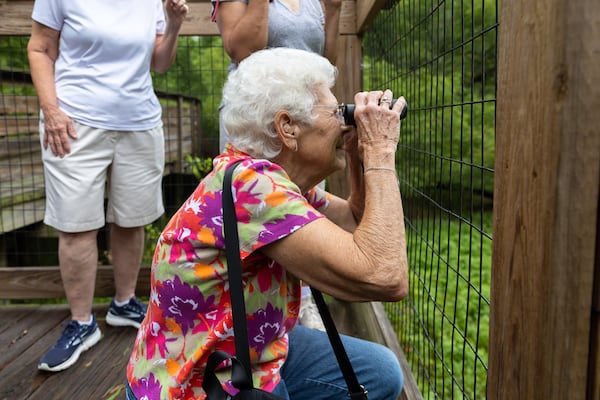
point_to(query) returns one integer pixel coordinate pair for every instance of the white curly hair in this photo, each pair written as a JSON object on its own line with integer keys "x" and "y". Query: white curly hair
{"x": 264, "y": 83}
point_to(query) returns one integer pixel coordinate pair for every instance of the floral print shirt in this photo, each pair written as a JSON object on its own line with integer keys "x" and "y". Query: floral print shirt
{"x": 189, "y": 312}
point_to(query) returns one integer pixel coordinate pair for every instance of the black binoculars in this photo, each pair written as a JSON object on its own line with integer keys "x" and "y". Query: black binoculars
{"x": 348, "y": 113}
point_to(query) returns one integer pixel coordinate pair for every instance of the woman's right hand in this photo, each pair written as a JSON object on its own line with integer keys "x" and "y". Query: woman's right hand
{"x": 378, "y": 125}
{"x": 58, "y": 132}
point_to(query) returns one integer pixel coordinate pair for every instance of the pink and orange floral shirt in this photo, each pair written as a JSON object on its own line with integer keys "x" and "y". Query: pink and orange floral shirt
{"x": 189, "y": 312}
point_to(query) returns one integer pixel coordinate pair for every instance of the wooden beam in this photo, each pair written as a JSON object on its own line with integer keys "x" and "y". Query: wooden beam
{"x": 46, "y": 283}
{"x": 349, "y": 80}
{"x": 15, "y": 19}
{"x": 547, "y": 176}
{"x": 366, "y": 11}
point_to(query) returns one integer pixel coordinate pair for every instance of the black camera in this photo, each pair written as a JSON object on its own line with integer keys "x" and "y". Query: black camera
{"x": 349, "y": 113}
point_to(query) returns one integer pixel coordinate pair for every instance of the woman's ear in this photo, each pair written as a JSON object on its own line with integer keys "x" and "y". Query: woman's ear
{"x": 286, "y": 130}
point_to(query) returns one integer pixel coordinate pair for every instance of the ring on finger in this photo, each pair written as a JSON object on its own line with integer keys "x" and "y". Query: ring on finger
{"x": 385, "y": 100}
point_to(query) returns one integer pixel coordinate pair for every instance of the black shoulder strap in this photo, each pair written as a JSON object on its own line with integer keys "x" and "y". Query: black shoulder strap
{"x": 236, "y": 290}
{"x": 356, "y": 391}
{"x": 234, "y": 266}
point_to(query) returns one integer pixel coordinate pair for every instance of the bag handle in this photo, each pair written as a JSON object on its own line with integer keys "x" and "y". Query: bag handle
{"x": 234, "y": 266}
{"x": 356, "y": 391}
{"x": 211, "y": 384}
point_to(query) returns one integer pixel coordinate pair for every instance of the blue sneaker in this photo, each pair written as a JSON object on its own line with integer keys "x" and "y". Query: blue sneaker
{"x": 131, "y": 314}
{"x": 75, "y": 339}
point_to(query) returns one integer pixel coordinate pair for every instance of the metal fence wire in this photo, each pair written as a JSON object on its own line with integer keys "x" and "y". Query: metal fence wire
{"x": 441, "y": 56}
{"x": 190, "y": 93}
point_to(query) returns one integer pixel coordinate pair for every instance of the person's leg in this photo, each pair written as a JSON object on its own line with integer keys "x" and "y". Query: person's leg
{"x": 128, "y": 392}
{"x": 127, "y": 246}
{"x": 311, "y": 370}
{"x": 78, "y": 259}
{"x": 281, "y": 390}
{"x": 74, "y": 207}
{"x": 135, "y": 199}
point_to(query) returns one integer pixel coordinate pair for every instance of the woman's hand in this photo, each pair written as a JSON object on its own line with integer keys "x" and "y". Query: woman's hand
{"x": 378, "y": 124}
{"x": 58, "y": 132}
{"x": 176, "y": 11}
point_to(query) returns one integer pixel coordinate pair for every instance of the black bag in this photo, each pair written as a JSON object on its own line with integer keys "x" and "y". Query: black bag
{"x": 241, "y": 372}
{"x": 239, "y": 379}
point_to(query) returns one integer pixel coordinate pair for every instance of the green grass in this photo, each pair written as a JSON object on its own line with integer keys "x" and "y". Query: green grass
{"x": 444, "y": 324}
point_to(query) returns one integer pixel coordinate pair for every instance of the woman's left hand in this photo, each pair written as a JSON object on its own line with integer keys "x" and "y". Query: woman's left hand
{"x": 176, "y": 11}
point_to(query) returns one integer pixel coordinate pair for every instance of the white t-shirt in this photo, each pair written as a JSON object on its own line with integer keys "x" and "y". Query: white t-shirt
{"x": 102, "y": 72}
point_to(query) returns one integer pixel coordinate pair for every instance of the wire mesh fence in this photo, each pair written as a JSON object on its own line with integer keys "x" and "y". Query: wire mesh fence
{"x": 441, "y": 55}
{"x": 189, "y": 92}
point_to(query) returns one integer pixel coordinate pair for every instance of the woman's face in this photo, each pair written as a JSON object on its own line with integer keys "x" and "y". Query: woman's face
{"x": 321, "y": 145}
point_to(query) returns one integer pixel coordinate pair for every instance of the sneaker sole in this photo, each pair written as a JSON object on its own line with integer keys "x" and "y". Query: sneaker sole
{"x": 115, "y": 320}
{"x": 87, "y": 344}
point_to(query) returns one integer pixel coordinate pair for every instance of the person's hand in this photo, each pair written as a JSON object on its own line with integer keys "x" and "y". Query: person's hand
{"x": 378, "y": 124}
{"x": 176, "y": 11}
{"x": 58, "y": 132}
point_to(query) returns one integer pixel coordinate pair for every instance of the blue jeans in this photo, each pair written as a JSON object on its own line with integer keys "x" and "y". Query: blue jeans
{"x": 311, "y": 370}
{"x": 128, "y": 393}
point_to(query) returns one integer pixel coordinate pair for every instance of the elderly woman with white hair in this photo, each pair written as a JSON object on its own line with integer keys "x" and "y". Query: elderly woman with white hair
{"x": 286, "y": 127}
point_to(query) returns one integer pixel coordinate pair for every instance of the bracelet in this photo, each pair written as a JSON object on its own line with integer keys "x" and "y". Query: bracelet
{"x": 379, "y": 169}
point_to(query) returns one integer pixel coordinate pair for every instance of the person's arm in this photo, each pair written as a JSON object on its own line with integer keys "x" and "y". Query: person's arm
{"x": 42, "y": 51}
{"x": 331, "y": 8}
{"x": 243, "y": 27}
{"x": 165, "y": 47}
{"x": 369, "y": 263}
{"x": 347, "y": 213}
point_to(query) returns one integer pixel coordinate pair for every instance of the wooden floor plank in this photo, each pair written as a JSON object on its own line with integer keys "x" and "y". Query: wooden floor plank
{"x": 98, "y": 374}
{"x": 25, "y": 328}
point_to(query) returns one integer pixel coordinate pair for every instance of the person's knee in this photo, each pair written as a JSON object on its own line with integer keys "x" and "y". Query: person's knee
{"x": 389, "y": 375}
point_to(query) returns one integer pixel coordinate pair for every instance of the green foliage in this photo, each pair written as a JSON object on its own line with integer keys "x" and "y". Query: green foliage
{"x": 199, "y": 71}
{"x": 450, "y": 274}
{"x": 441, "y": 56}
{"x": 13, "y": 53}
{"x": 152, "y": 233}
{"x": 200, "y": 167}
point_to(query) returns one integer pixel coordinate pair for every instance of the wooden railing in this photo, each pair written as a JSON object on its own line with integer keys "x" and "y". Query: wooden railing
{"x": 22, "y": 195}
{"x": 365, "y": 320}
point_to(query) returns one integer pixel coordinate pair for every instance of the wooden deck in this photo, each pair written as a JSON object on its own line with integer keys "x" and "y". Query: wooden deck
{"x": 26, "y": 332}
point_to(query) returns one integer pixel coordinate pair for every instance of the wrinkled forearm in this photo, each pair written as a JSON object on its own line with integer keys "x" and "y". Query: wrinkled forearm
{"x": 42, "y": 74}
{"x": 381, "y": 232}
{"x": 42, "y": 51}
{"x": 165, "y": 48}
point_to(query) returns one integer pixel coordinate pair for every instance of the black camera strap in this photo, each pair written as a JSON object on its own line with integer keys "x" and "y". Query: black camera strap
{"x": 238, "y": 308}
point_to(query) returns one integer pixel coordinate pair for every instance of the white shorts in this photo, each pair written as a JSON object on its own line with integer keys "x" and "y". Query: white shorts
{"x": 127, "y": 166}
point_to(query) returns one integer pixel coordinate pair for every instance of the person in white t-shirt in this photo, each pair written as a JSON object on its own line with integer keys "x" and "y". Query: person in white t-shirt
{"x": 100, "y": 128}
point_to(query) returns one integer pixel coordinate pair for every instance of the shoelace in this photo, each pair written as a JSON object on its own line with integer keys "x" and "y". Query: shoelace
{"x": 71, "y": 332}
{"x": 135, "y": 306}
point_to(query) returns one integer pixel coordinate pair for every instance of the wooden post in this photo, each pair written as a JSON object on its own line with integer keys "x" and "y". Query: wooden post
{"x": 349, "y": 80}
{"x": 547, "y": 176}
{"x": 179, "y": 134}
